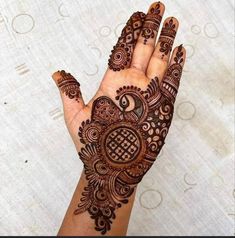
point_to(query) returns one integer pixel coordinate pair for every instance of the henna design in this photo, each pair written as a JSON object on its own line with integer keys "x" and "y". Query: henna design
{"x": 121, "y": 143}
{"x": 121, "y": 55}
{"x": 152, "y": 23}
{"x": 167, "y": 37}
{"x": 89, "y": 132}
{"x": 69, "y": 85}
{"x": 170, "y": 83}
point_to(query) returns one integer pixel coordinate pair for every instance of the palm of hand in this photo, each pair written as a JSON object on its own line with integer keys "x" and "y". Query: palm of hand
{"x": 121, "y": 144}
{"x": 124, "y": 126}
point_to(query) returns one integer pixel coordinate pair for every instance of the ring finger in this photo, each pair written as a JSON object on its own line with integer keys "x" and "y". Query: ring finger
{"x": 160, "y": 58}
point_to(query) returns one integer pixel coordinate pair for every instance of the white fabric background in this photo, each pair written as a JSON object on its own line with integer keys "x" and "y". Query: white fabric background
{"x": 189, "y": 190}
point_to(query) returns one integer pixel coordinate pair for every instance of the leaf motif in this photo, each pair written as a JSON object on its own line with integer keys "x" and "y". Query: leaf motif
{"x": 153, "y": 88}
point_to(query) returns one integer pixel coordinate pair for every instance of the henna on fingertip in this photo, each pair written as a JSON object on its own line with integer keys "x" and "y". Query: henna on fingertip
{"x": 69, "y": 85}
{"x": 120, "y": 144}
{"x": 152, "y": 21}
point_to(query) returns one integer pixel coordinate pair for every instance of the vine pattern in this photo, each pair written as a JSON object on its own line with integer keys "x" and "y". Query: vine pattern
{"x": 167, "y": 37}
{"x": 120, "y": 143}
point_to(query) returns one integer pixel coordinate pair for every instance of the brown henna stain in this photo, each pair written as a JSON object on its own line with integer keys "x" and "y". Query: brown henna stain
{"x": 152, "y": 23}
{"x": 121, "y": 55}
{"x": 173, "y": 74}
{"x": 69, "y": 86}
{"x": 120, "y": 143}
{"x": 167, "y": 37}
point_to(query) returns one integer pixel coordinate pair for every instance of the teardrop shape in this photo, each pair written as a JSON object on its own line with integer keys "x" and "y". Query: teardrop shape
{"x": 155, "y": 138}
{"x": 150, "y": 132}
{"x": 124, "y": 102}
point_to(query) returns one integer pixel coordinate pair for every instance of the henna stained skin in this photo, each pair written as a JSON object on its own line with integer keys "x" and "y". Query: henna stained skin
{"x": 69, "y": 86}
{"x": 120, "y": 143}
{"x": 170, "y": 83}
{"x": 152, "y": 23}
{"x": 121, "y": 55}
{"x": 167, "y": 37}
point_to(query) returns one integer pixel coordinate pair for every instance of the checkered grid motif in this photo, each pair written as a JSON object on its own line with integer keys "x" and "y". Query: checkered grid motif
{"x": 122, "y": 145}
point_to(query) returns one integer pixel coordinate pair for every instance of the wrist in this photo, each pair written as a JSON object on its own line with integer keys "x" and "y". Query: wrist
{"x": 83, "y": 224}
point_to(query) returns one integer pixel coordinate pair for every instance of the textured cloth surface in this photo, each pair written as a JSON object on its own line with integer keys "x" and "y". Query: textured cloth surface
{"x": 190, "y": 188}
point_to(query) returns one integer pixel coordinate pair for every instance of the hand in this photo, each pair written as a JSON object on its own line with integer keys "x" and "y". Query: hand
{"x": 120, "y": 132}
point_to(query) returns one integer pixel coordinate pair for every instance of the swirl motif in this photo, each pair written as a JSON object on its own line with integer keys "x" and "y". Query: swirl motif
{"x": 167, "y": 37}
{"x": 115, "y": 156}
{"x": 121, "y": 143}
{"x": 121, "y": 54}
{"x": 166, "y": 46}
{"x": 175, "y": 71}
{"x": 89, "y": 132}
{"x": 146, "y": 126}
{"x": 120, "y": 57}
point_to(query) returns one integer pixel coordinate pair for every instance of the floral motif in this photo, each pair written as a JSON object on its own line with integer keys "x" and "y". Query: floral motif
{"x": 121, "y": 143}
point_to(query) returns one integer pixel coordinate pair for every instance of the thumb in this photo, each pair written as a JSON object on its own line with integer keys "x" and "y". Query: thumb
{"x": 70, "y": 94}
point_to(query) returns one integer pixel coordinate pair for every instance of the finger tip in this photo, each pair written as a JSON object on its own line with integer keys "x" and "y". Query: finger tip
{"x": 180, "y": 48}
{"x": 183, "y": 50}
{"x": 158, "y": 5}
{"x": 162, "y": 7}
{"x": 184, "y": 53}
{"x": 56, "y": 75}
{"x": 174, "y": 20}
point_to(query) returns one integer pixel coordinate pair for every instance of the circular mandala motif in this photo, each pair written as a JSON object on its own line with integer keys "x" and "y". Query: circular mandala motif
{"x": 147, "y": 33}
{"x": 101, "y": 168}
{"x": 72, "y": 91}
{"x": 121, "y": 145}
{"x": 120, "y": 57}
{"x": 175, "y": 71}
{"x": 90, "y": 132}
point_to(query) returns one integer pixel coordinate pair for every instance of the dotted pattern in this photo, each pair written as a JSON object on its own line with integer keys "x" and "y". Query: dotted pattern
{"x": 38, "y": 38}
